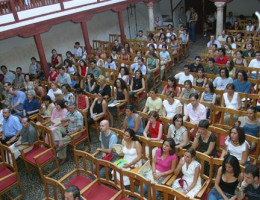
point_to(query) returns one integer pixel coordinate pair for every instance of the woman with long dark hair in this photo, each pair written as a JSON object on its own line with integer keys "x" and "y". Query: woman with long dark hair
{"x": 227, "y": 180}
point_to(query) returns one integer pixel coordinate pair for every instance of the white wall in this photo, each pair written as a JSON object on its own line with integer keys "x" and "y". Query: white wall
{"x": 17, "y": 51}
{"x": 245, "y": 7}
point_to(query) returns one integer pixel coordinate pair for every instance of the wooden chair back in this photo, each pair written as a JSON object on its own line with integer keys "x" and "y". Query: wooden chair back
{"x": 85, "y": 162}
{"x": 167, "y": 193}
{"x": 135, "y": 180}
{"x": 221, "y": 135}
{"x": 218, "y": 118}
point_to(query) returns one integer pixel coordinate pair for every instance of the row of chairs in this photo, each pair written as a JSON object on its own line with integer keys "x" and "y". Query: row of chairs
{"x": 217, "y": 126}
{"x": 82, "y": 176}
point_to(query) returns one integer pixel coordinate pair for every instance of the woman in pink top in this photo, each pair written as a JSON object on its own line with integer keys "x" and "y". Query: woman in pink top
{"x": 164, "y": 162}
{"x": 58, "y": 113}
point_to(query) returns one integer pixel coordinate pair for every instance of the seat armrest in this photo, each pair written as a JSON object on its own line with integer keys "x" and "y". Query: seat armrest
{"x": 171, "y": 180}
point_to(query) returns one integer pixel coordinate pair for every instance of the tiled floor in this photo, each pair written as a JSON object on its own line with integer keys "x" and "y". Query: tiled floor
{"x": 34, "y": 188}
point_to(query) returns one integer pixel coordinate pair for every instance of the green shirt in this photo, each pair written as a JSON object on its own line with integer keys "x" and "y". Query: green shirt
{"x": 215, "y": 70}
{"x": 96, "y": 72}
{"x": 28, "y": 135}
{"x": 245, "y": 54}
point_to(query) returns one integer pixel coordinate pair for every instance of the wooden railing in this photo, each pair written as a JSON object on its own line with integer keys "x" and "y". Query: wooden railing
{"x": 5, "y": 7}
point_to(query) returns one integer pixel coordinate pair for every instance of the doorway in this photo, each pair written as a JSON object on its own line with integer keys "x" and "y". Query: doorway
{"x": 203, "y": 8}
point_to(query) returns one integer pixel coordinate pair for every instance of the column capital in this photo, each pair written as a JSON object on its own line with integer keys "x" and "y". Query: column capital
{"x": 220, "y": 5}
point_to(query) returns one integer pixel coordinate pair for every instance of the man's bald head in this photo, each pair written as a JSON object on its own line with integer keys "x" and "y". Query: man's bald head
{"x": 104, "y": 126}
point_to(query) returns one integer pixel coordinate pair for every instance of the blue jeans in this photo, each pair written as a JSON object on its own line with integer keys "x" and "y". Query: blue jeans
{"x": 193, "y": 32}
{"x": 214, "y": 195}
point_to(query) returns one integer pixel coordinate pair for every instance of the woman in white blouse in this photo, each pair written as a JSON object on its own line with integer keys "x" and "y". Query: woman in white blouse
{"x": 178, "y": 132}
{"x": 231, "y": 99}
{"x": 171, "y": 106}
{"x": 236, "y": 145}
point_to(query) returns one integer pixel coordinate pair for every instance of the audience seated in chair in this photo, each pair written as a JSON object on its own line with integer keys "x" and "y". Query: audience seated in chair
{"x": 17, "y": 101}
{"x": 72, "y": 123}
{"x": 11, "y": 127}
{"x": 183, "y": 76}
{"x": 107, "y": 139}
{"x": 237, "y": 146}
{"x": 195, "y": 111}
{"x": 133, "y": 120}
{"x": 250, "y": 187}
{"x": 63, "y": 77}
{"x": 191, "y": 180}
{"x": 178, "y": 132}
{"x": 27, "y": 136}
{"x": 153, "y": 103}
{"x": 227, "y": 179}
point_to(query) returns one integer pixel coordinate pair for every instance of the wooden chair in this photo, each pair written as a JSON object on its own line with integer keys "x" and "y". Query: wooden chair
{"x": 191, "y": 128}
{"x": 255, "y": 154}
{"x": 79, "y": 177}
{"x": 120, "y": 110}
{"x": 141, "y": 95}
{"x": 221, "y": 135}
{"x": 167, "y": 193}
{"x": 95, "y": 126}
{"x": 136, "y": 181}
{"x": 218, "y": 118}
{"x": 42, "y": 153}
{"x": 144, "y": 116}
{"x": 165, "y": 122}
{"x": 9, "y": 177}
{"x": 81, "y": 136}
{"x": 113, "y": 37}
{"x": 206, "y": 179}
{"x": 248, "y": 100}
{"x": 104, "y": 187}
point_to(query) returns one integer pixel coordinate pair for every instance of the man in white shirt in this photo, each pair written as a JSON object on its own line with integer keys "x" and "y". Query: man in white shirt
{"x": 213, "y": 41}
{"x": 183, "y": 76}
{"x": 222, "y": 37}
{"x": 77, "y": 50}
{"x": 255, "y": 63}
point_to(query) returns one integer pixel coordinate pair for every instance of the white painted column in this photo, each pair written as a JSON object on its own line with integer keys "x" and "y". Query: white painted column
{"x": 150, "y": 15}
{"x": 220, "y": 15}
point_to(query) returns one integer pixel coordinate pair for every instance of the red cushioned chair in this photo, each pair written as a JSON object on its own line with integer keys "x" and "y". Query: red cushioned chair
{"x": 9, "y": 177}
{"x": 42, "y": 153}
{"x": 104, "y": 187}
{"x": 81, "y": 176}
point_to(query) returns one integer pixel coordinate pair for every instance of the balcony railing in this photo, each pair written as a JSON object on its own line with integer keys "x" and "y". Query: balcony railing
{"x": 13, "y": 11}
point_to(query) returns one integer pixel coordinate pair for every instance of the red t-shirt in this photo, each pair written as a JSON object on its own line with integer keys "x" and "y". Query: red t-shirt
{"x": 53, "y": 76}
{"x": 155, "y": 131}
{"x": 222, "y": 61}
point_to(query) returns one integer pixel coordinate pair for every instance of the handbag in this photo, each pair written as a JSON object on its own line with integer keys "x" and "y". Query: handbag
{"x": 182, "y": 182}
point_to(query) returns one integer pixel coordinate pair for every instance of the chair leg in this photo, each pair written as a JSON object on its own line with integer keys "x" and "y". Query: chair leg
{"x": 27, "y": 167}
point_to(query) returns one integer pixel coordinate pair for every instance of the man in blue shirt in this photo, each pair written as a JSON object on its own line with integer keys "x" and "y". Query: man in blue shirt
{"x": 241, "y": 83}
{"x": 11, "y": 127}
{"x": 139, "y": 65}
{"x": 18, "y": 100}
